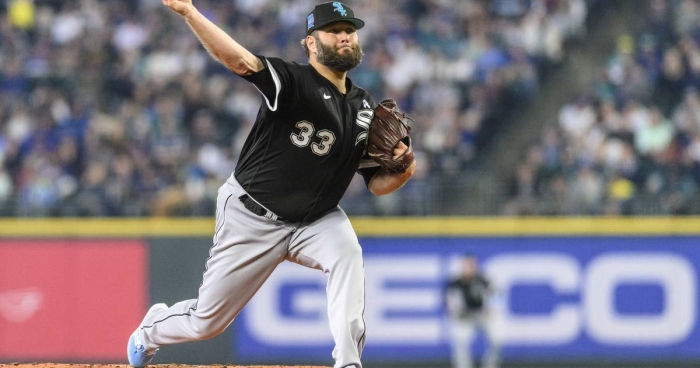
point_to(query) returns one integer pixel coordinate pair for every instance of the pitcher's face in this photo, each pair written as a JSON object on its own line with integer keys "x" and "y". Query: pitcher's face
{"x": 338, "y": 47}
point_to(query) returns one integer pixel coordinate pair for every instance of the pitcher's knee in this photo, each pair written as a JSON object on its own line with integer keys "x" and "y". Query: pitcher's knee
{"x": 205, "y": 329}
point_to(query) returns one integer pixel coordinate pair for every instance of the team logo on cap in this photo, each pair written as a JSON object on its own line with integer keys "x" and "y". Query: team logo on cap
{"x": 310, "y": 21}
{"x": 339, "y": 8}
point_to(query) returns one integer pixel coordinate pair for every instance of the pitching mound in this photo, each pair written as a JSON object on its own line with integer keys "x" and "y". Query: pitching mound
{"x": 50, "y": 365}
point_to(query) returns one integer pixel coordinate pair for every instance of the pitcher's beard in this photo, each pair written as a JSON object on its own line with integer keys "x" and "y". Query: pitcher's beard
{"x": 337, "y": 61}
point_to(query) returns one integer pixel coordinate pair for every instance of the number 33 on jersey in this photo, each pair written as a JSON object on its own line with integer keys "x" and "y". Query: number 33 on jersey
{"x": 302, "y": 139}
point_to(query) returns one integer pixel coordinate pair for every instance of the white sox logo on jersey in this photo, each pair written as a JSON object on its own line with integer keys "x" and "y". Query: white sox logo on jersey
{"x": 364, "y": 118}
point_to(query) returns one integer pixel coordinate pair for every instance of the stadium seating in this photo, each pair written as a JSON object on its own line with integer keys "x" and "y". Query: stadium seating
{"x": 112, "y": 108}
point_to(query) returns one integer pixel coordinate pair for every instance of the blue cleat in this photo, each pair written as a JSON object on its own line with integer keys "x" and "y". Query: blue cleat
{"x": 139, "y": 357}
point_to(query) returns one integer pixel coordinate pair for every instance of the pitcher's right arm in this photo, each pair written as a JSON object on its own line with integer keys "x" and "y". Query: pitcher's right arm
{"x": 220, "y": 45}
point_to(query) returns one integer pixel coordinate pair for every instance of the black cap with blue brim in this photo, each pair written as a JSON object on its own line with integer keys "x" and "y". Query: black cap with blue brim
{"x": 331, "y": 12}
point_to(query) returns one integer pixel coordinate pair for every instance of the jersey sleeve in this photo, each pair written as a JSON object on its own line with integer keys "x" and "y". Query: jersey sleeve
{"x": 273, "y": 81}
{"x": 368, "y": 167}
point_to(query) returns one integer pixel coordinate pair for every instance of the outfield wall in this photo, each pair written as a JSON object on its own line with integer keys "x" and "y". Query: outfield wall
{"x": 571, "y": 290}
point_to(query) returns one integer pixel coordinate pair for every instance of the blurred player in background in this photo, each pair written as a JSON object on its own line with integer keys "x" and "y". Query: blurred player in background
{"x": 467, "y": 298}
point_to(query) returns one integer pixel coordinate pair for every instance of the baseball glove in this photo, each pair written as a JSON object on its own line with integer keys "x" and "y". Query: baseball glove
{"x": 389, "y": 127}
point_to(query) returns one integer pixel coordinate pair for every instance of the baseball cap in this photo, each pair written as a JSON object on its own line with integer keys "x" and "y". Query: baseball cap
{"x": 327, "y": 13}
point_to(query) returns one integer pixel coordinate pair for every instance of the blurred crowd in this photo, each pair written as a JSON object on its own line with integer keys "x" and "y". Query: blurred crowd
{"x": 113, "y": 108}
{"x": 629, "y": 144}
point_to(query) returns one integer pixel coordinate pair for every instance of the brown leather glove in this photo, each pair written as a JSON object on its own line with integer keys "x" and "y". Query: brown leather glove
{"x": 389, "y": 127}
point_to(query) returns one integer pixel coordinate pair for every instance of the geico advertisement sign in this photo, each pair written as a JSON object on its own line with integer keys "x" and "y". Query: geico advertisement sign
{"x": 304, "y": 320}
{"x": 405, "y": 308}
{"x": 596, "y": 312}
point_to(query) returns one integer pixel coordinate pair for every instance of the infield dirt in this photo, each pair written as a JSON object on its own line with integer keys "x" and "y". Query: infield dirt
{"x": 51, "y": 365}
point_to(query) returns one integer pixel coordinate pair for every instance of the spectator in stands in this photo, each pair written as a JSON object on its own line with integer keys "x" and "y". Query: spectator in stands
{"x": 654, "y": 137}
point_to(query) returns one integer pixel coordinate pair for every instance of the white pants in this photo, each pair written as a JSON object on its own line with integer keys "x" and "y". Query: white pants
{"x": 463, "y": 331}
{"x": 247, "y": 248}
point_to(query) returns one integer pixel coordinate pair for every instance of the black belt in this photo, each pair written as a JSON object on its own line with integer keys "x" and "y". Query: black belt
{"x": 258, "y": 209}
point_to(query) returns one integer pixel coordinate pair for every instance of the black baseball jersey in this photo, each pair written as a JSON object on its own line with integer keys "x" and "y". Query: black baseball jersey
{"x": 307, "y": 142}
{"x": 474, "y": 291}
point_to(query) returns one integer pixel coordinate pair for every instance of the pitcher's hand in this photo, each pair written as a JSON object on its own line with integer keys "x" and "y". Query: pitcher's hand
{"x": 181, "y": 7}
{"x": 399, "y": 149}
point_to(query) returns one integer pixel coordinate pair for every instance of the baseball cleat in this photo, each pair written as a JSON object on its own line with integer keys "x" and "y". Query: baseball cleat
{"x": 139, "y": 357}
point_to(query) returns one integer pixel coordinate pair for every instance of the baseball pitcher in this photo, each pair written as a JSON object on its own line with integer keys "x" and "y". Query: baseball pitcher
{"x": 315, "y": 129}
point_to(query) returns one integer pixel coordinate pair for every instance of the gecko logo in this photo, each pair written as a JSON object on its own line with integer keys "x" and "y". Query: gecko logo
{"x": 18, "y": 306}
{"x": 364, "y": 118}
{"x": 339, "y": 8}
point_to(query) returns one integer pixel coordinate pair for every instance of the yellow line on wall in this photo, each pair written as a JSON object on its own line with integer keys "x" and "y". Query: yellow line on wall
{"x": 107, "y": 227}
{"x": 535, "y": 226}
{"x": 366, "y": 226}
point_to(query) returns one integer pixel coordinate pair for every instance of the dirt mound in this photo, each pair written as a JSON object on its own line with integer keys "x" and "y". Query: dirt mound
{"x": 51, "y": 365}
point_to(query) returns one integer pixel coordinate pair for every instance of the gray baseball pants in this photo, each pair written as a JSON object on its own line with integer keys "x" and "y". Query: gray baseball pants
{"x": 247, "y": 248}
